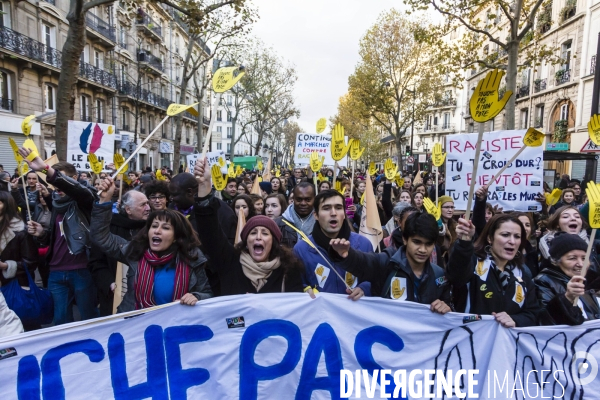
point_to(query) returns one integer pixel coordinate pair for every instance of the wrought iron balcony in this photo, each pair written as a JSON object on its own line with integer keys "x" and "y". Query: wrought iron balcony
{"x": 445, "y": 102}
{"x": 593, "y": 65}
{"x": 448, "y": 127}
{"x": 139, "y": 93}
{"x": 87, "y": 118}
{"x": 522, "y": 91}
{"x": 125, "y": 127}
{"x": 102, "y": 27}
{"x": 148, "y": 25}
{"x": 30, "y": 48}
{"x": 539, "y": 85}
{"x": 100, "y": 120}
{"x": 152, "y": 61}
{"x": 562, "y": 76}
{"x": 95, "y": 74}
{"x": 7, "y": 104}
{"x": 143, "y": 131}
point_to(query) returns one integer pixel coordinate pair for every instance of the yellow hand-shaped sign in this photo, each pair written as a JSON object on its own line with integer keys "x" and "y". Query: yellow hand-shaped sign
{"x": 390, "y": 169}
{"x": 231, "y": 171}
{"x": 533, "y": 138}
{"x": 438, "y": 156}
{"x": 355, "y": 150}
{"x": 432, "y": 209}
{"x": 321, "y": 125}
{"x": 399, "y": 180}
{"x": 160, "y": 176}
{"x": 259, "y": 166}
{"x": 552, "y": 198}
{"x": 338, "y": 143}
{"x": 96, "y": 165}
{"x": 23, "y": 167}
{"x": 175, "y": 109}
{"x": 27, "y": 124}
{"x": 593, "y": 194}
{"x": 277, "y": 172}
{"x": 372, "y": 168}
{"x": 238, "y": 170}
{"x": 221, "y": 162}
{"x": 217, "y": 177}
{"x": 223, "y": 80}
{"x": 338, "y": 186}
{"x": 594, "y": 129}
{"x": 119, "y": 161}
{"x": 484, "y": 104}
{"x": 15, "y": 149}
{"x": 316, "y": 162}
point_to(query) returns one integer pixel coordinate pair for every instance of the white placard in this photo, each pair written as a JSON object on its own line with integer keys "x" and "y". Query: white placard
{"x": 86, "y": 138}
{"x": 213, "y": 158}
{"x": 306, "y": 143}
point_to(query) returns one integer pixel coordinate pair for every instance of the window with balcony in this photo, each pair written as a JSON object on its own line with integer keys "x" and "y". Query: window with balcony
{"x": 229, "y": 132}
{"x": 228, "y": 147}
{"x": 229, "y": 100}
{"x": 220, "y": 130}
{"x": 98, "y": 59}
{"x": 124, "y": 118}
{"x": 524, "y": 118}
{"x": 565, "y": 53}
{"x": 100, "y": 111}
{"x": 143, "y": 123}
{"x": 84, "y": 107}
{"x": 228, "y": 116}
{"x": 50, "y": 97}
{"x": 219, "y": 115}
{"x": 150, "y": 123}
{"x": 5, "y": 14}
{"x": 6, "y": 103}
{"x": 48, "y": 35}
{"x": 539, "y": 116}
{"x": 564, "y": 112}
{"x": 446, "y": 124}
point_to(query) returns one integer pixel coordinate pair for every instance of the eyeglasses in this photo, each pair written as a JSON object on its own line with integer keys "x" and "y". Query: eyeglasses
{"x": 448, "y": 207}
{"x": 155, "y": 198}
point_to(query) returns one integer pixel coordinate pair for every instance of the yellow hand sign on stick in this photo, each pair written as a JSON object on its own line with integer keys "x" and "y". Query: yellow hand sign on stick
{"x": 372, "y": 168}
{"x": 238, "y": 170}
{"x": 119, "y": 161}
{"x": 160, "y": 176}
{"x": 532, "y": 138}
{"x": 552, "y": 198}
{"x": 432, "y": 209}
{"x": 321, "y": 125}
{"x": 224, "y": 78}
{"x": 15, "y": 149}
{"x": 316, "y": 162}
{"x": 27, "y": 124}
{"x": 338, "y": 143}
{"x": 278, "y": 172}
{"x": 355, "y": 150}
{"x": 438, "y": 156}
{"x": 259, "y": 165}
{"x": 594, "y": 129}
{"x": 96, "y": 165}
{"x": 217, "y": 177}
{"x": 390, "y": 169}
{"x": 399, "y": 180}
{"x": 175, "y": 109}
{"x": 231, "y": 171}
{"x": 484, "y": 103}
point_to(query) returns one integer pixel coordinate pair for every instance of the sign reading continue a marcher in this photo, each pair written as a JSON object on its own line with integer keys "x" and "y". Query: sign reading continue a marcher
{"x": 85, "y": 138}
{"x": 306, "y": 143}
{"x": 515, "y": 189}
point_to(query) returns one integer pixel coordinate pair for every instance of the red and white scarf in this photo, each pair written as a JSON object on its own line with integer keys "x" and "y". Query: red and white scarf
{"x": 144, "y": 286}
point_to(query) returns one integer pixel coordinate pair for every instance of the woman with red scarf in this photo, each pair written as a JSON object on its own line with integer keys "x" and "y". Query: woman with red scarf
{"x": 164, "y": 259}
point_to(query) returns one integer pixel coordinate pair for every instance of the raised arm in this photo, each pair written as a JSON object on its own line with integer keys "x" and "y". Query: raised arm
{"x": 370, "y": 267}
{"x": 460, "y": 266}
{"x": 479, "y": 209}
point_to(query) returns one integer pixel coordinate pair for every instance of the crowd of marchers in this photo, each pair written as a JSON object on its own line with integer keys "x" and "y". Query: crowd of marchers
{"x": 178, "y": 239}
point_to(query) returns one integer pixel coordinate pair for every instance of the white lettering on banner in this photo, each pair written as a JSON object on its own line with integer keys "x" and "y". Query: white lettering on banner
{"x": 306, "y": 143}
{"x": 285, "y": 346}
{"x": 515, "y": 189}
{"x": 84, "y": 138}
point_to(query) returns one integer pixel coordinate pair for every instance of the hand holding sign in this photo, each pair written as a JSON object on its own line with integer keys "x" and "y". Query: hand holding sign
{"x": 390, "y": 169}
{"x": 355, "y": 150}
{"x": 316, "y": 162}
{"x": 484, "y": 103}
{"x": 338, "y": 143}
{"x": 321, "y": 125}
{"x": 438, "y": 156}
{"x": 432, "y": 209}
{"x": 594, "y": 129}
{"x": 217, "y": 177}
{"x": 96, "y": 165}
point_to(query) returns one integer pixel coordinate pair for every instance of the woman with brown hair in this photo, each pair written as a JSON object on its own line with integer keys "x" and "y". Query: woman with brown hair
{"x": 490, "y": 276}
{"x": 258, "y": 264}
{"x": 164, "y": 259}
{"x": 244, "y": 203}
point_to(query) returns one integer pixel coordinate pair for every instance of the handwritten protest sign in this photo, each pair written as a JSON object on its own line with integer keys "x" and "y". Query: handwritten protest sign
{"x": 306, "y": 143}
{"x": 212, "y": 157}
{"x": 515, "y": 189}
{"x": 85, "y": 138}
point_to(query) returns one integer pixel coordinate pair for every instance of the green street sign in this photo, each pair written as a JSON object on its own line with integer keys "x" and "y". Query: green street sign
{"x": 557, "y": 146}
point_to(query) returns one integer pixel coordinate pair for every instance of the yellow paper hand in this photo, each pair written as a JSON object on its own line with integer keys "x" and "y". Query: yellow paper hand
{"x": 217, "y": 177}
{"x": 438, "y": 156}
{"x": 316, "y": 162}
{"x": 594, "y": 129}
{"x": 338, "y": 143}
{"x": 399, "y": 180}
{"x": 552, "y": 198}
{"x": 231, "y": 171}
{"x": 238, "y": 170}
{"x": 355, "y": 150}
{"x": 119, "y": 160}
{"x": 390, "y": 169}
{"x": 27, "y": 124}
{"x": 97, "y": 166}
{"x": 277, "y": 172}
{"x": 431, "y": 208}
{"x": 484, "y": 103}
{"x": 372, "y": 168}
{"x": 224, "y": 78}
{"x": 593, "y": 194}
{"x": 533, "y": 138}
{"x": 15, "y": 148}
{"x": 259, "y": 166}
{"x": 321, "y": 125}
{"x": 23, "y": 167}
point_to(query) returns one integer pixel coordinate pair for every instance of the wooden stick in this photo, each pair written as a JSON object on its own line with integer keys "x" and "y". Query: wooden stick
{"x": 436, "y": 185}
{"x": 517, "y": 154}
{"x": 474, "y": 174}
{"x": 118, "y": 294}
{"x": 334, "y": 173}
{"x": 315, "y": 182}
{"x": 120, "y": 188}
{"x": 25, "y": 191}
{"x": 213, "y": 118}
{"x": 586, "y": 262}
{"x": 352, "y": 180}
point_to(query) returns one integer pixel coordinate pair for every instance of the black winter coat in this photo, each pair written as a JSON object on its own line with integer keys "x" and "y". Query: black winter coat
{"x": 381, "y": 269}
{"x": 551, "y": 285}
{"x": 23, "y": 250}
{"x": 484, "y": 291}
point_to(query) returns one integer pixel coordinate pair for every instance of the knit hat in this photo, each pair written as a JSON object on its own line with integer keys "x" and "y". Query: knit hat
{"x": 266, "y": 186}
{"x": 444, "y": 199}
{"x": 261, "y": 220}
{"x": 564, "y": 243}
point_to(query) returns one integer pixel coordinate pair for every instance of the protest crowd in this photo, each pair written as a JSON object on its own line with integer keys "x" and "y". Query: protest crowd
{"x": 182, "y": 240}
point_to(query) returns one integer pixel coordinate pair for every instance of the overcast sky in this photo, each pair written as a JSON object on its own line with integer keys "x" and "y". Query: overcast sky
{"x": 320, "y": 37}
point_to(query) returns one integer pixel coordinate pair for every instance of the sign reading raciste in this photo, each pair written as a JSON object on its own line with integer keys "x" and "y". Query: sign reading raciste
{"x": 515, "y": 189}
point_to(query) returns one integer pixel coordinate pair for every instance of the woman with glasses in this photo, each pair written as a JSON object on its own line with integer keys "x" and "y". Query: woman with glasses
{"x": 157, "y": 193}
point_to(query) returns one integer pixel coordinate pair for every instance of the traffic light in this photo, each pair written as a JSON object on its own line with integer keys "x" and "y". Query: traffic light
{"x": 408, "y": 150}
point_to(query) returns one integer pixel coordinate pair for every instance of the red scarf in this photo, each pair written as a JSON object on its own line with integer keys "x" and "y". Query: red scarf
{"x": 144, "y": 287}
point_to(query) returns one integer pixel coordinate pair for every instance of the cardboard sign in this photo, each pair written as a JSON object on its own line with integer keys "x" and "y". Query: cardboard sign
{"x": 86, "y": 138}
{"x": 306, "y": 143}
{"x": 212, "y": 157}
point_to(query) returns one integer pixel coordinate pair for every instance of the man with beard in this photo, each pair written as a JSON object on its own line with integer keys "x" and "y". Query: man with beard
{"x": 331, "y": 223}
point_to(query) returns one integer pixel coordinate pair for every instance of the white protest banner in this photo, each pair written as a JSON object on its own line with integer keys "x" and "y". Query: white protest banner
{"x": 306, "y": 143}
{"x": 86, "y": 138}
{"x": 213, "y": 158}
{"x": 286, "y": 346}
{"x": 515, "y": 189}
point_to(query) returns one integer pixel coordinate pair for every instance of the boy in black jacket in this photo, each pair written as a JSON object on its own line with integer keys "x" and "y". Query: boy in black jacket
{"x": 406, "y": 274}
